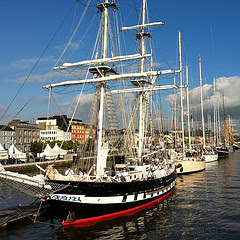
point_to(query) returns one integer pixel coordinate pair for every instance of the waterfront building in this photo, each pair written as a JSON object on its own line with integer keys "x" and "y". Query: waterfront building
{"x": 7, "y": 136}
{"x": 26, "y": 133}
{"x": 79, "y": 132}
{"x": 56, "y": 128}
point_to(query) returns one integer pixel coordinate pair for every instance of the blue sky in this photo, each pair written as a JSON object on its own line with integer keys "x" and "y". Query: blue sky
{"x": 210, "y": 28}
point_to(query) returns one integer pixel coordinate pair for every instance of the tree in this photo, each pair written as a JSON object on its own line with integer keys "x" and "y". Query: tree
{"x": 36, "y": 147}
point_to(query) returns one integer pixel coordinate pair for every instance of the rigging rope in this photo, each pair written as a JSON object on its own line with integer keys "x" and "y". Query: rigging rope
{"x": 32, "y": 72}
{"x": 81, "y": 93}
{"x": 24, "y": 105}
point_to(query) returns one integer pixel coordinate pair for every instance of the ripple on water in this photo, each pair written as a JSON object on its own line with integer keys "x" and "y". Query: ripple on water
{"x": 204, "y": 205}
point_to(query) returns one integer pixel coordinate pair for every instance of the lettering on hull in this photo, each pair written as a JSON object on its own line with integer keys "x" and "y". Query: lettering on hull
{"x": 66, "y": 198}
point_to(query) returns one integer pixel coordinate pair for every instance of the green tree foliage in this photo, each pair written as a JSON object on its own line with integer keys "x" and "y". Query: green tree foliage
{"x": 37, "y": 147}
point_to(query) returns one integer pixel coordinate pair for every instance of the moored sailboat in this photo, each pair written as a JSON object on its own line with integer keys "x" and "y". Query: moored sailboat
{"x": 223, "y": 150}
{"x": 208, "y": 155}
{"x": 187, "y": 162}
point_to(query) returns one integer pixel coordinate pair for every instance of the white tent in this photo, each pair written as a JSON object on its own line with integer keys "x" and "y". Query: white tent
{"x": 48, "y": 153}
{"x": 1, "y": 148}
{"x": 3, "y": 153}
{"x": 13, "y": 152}
{"x": 59, "y": 151}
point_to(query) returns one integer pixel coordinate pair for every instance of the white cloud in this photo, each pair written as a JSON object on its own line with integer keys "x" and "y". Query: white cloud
{"x": 227, "y": 86}
{"x": 82, "y": 108}
{"x": 230, "y": 87}
{"x": 46, "y": 97}
{"x": 24, "y": 64}
{"x": 163, "y": 123}
{"x": 71, "y": 46}
{"x": 31, "y": 79}
{"x": 44, "y": 78}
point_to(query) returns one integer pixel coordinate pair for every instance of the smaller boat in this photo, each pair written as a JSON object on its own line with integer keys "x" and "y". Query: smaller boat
{"x": 222, "y": 152}
{"x": 210, "y": 156}
{"x": 235, "y": 146}
{"x": 188, "y": 163}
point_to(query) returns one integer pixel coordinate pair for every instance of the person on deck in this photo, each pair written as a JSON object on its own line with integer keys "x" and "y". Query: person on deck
{"x": 84, "y": 174}
{"x": 69, "y": 172}
{"x": 80, "y": 173}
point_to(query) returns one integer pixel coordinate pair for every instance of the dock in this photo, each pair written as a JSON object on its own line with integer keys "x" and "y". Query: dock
{"x": 32, "y": 165}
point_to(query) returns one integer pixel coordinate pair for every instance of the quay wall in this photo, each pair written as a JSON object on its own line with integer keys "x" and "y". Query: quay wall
{"x": 84, "y": 163}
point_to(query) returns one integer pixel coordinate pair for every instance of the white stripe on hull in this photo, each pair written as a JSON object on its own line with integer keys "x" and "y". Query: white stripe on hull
{"x": 111, "y": 199}
{"x": 210, "y": 157}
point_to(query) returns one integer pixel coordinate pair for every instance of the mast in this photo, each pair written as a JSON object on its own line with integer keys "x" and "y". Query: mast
{"x": 181, "y": 88}
{"x": 175, "y": 114}
{"x": 219, "y": 126}
{"x": 143, "y": 50}
{"x": 232, "y": 132}
{"x": 102, "y": 86}
{"x": 201, "y": 96}
{"x": 188, "y": 112}
{"x": 175, "y": 126}
{"x": 225, "y": 124}
{"x": 214, "y": 112}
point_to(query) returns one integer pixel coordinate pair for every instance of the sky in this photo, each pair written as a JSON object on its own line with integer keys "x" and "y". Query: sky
{"x": 31, "y": 44}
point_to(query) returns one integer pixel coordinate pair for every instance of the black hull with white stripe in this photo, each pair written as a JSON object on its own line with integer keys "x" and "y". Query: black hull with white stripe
{"x": 222, "y": 152}
{"x": 93, "y": 199}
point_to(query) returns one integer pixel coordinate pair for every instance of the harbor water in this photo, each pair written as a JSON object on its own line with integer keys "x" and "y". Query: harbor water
{"x": 204, "y": 205}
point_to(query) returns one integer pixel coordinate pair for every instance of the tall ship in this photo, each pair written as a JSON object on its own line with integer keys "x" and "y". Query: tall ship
{"x": 139, "y": 176}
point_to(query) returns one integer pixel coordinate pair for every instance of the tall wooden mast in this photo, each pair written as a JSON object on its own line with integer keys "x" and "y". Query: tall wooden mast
{"x": 201, "y": 99}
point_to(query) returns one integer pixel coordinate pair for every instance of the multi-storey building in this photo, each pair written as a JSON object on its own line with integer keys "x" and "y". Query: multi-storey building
{"x": 7, "y": 136}
{"x": 56, "y": 128}
{"x": 79, "y": 132}
{"x": 26, "y": 133}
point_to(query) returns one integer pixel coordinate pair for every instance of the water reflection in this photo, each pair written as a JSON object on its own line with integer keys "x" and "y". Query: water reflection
{"x": 204, "y": 205}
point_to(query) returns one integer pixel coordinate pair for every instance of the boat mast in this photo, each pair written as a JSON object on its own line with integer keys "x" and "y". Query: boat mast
{"x": 201, "y": 98}
{"x": 225, "y": 124}
{"x": 214, "y": 112}
{"x": 232, "y": 132}
{"x": 181, "y": 88}
{"x": 175, "y": 114}
{"x": 188, "y": 112}
{"x": 102, "y": 86}
{"x": 142, "y": 52}
{"x": 219, "y": 127}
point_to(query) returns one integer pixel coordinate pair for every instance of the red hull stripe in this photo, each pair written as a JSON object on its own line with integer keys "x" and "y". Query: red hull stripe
{"x": 116, "y": 214}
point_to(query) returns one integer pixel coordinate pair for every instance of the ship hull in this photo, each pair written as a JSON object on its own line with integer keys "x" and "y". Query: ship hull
{"x": 210, "y": 157}
{"x": 115, "y": 211}
{"x": 94, "y": 200}
{"x": 222, "y": 152}
{"x": 189, "y": 166}
{"x": 235, "y": 147}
